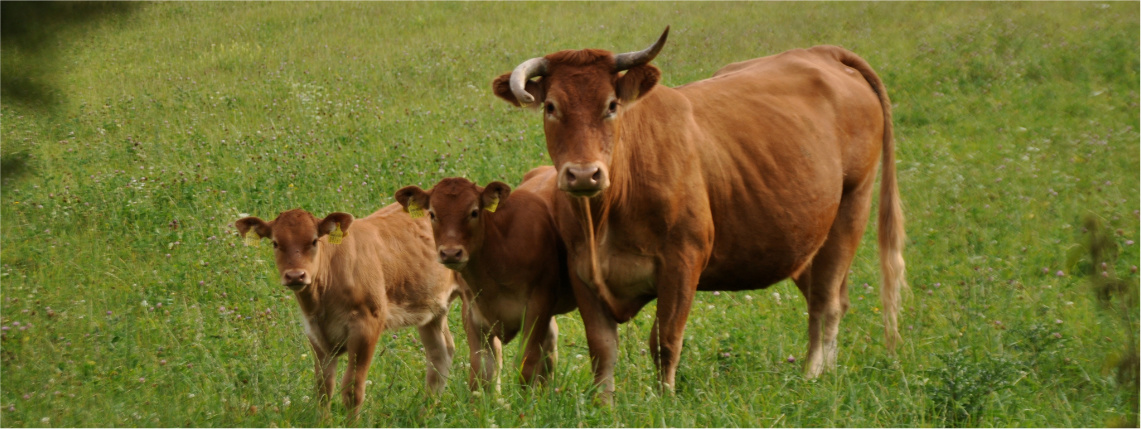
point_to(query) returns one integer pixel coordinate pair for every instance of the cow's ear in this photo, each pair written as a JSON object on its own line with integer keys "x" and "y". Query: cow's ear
{"x": 502, "y": 88}
{"x": 334, "y": 222}
{"x": 637, "y": 82}
{"x": 414, "y": 200}
{"x": 260, "y": 228}
{"x": 494, "y": 194}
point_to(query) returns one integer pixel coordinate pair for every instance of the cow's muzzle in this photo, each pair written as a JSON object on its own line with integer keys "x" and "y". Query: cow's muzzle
{"x": 583, "y": 179}
{"x": 453, "y": 257}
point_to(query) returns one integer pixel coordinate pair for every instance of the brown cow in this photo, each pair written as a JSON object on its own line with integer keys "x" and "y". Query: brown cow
{"x": 506, "y": 247}
{"x": 762, "y": 172}
{"x": 383, "y": 275}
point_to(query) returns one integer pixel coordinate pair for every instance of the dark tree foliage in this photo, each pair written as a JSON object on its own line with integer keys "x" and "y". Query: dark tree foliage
{"x": 32, "y": 31}
{"x": 30, "y": 34}
{"x": 1096, "y": 256}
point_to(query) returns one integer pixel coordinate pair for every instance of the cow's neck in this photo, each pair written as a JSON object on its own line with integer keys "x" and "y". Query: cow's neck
{"x": 650, "y": 159}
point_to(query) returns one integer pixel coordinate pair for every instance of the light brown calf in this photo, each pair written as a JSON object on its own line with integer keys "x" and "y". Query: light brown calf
{"x": 382, "y": 275}
{"x": 507, "y": 248}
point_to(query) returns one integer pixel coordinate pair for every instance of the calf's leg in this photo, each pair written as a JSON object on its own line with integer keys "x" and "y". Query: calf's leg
{"x": 439, "y": 349}
{"x": 325, "y": 369}
{"x": 484, "y": 348}
{"x": 360, "y": 347}
{"x": 538, "y": 349}
{"x": 540, "y": 333}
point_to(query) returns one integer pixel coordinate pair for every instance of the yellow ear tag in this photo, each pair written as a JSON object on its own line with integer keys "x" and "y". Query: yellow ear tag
{"x": 252, "y": 239}
{"x": 415, "y": 210}
{"x": 493, "y": 205}
{"x": 337, "y": 235}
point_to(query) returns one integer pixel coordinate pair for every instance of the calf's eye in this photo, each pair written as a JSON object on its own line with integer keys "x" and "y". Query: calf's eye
{"x": 274, "y": 244}
{"x": 474, "y": 214}
{"x": 314, "y": 241}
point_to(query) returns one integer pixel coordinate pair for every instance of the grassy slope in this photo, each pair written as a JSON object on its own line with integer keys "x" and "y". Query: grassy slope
{"x": 1012, "y": 121}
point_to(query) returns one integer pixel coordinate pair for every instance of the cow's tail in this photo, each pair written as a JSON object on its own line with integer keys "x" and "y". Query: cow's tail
{"x": 891, "y": 233}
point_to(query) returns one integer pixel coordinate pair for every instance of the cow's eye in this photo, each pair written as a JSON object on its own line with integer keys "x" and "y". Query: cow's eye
{"x": 550, "y": 107}
{"x": 314, "y": 241}
{"x": 474, "y": 214}
{"x": 274, "y": 244}
{"x": 432, "y": 215}
{"x": 613, "y": 107}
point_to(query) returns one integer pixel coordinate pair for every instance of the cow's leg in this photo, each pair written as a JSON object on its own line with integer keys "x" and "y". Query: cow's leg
{"x": 438, "y": 348}
{"x": 828, "y": 278}
{"x": 360, "y": 347}
{"x": 484, "y": 348}
{"x": 813, "y": 361}
{"x": 677, "y": 284}
{"x": 601, "y": 336}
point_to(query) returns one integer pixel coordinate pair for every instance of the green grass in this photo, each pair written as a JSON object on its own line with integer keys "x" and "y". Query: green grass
{"x": 126, "y": 291}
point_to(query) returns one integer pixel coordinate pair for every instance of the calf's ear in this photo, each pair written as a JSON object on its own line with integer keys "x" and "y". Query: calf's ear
{"x": 493, "y": 194}
{"x": 637, "y": 82}
{"x": 336, "y": 221}
{"x": 414, "y": 200}
{"x": 502, "y": 88}
{"x": 260, "y": 227}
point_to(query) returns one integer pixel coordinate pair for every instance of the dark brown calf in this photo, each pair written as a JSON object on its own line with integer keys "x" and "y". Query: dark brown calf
{"x": 382, "y": 275}
{"x": 507, "y": 248}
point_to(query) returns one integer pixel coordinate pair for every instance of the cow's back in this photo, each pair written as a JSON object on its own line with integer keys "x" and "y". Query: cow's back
{"x": 780, "y": 139}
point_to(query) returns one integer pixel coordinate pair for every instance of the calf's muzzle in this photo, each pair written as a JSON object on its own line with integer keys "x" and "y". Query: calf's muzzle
{"x": 293, "y": 278}
{"x": 452, "y": 256}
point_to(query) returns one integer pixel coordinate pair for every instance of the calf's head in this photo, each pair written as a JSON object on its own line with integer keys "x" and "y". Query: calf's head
{"x": 455, "y": 206}
{"x": 295, "y": 235}
{"x": 583, "y": 95}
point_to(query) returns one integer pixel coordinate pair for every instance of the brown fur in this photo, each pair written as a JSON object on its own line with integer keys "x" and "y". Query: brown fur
{"x": 382, "y": 276}
{"x": 513, "y": 262}
{"x": 764, "y": 171}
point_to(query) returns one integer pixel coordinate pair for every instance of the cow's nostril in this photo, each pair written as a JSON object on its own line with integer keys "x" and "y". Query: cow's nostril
{"x": 597, "y": 175}
{"x": 570, "y": 177}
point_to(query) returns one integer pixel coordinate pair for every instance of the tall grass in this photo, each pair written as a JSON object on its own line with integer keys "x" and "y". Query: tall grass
{"x": 126, "y": 298}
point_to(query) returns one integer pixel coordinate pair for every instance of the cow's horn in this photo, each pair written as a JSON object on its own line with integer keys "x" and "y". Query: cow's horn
{"x": 524, "y": 72}
{"x": 630, "y": 60}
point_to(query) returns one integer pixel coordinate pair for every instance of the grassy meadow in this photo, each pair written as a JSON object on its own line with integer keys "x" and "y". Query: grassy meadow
{"x": 127, "y": 298}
